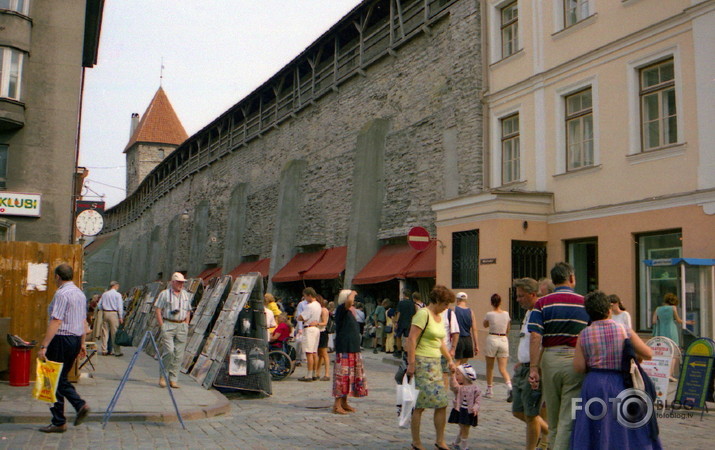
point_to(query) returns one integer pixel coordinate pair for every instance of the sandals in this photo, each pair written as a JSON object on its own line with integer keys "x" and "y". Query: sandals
{"x": 339, "y": 411}
{"x": 305, "y": 379}
{"x": 325, "y": 379}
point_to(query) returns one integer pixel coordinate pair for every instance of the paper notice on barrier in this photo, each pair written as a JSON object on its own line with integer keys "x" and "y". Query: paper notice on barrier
{"x": 37, "y": 277}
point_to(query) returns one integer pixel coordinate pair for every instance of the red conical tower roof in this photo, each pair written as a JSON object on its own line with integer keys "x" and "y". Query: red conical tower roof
{"x": 159, "y": 124}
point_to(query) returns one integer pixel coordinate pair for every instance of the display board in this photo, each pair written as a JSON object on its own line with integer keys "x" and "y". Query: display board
{"x": 696, "y": 375}
{"x": 218, "y": 343}
{"x": 203, "y": 319}
{"x": 659, "y": 367}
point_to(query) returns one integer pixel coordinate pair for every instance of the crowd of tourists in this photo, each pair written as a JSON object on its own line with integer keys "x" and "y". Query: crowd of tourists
{"x": 571, "y": 350}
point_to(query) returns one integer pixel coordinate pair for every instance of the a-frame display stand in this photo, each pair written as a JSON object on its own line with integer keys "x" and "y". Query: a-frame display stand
{"x": 162, "y": 370}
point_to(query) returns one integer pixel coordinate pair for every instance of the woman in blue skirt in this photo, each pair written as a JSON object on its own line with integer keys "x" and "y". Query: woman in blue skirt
{"x": 603, "y": 419}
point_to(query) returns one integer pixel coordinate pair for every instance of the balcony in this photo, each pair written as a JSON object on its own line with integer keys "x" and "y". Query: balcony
{"x": 12, "y": 114}
{"x": 15, "y": 30}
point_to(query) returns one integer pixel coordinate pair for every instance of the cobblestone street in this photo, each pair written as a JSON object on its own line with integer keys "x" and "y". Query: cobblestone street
{"x": 298, "y": 416}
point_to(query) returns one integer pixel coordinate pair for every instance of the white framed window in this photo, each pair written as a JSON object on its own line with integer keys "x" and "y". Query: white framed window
{"x": 3, "y": 166}
{"x": 510, "y": 149}
{"x": 509, "y": 29}
{"x": 655, "y": 100}
{"x": 20, "y": 6}
{"x": 575, "y": 11}
{"x": 504, "y": 39}
{"x": 579, "y": 129}
{"x": 505, "y": 139}
{"x": 10, "y": 72}
{"x": 659, "y": 113}
{"x": 577, "y": 133}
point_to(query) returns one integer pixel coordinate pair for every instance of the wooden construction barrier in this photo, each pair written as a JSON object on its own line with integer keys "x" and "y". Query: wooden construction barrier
{"x": 27, "y": 284}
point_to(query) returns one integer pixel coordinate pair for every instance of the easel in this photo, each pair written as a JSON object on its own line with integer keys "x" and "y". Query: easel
{"x": 113, "y": 402}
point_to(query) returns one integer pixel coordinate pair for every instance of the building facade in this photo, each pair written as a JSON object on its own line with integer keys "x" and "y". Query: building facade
{"x": 598, "y": 152}
{"x": 45, "y": 47}
{"x": 343, "y": 149}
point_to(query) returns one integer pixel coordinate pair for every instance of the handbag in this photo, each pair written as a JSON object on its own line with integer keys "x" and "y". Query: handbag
{"x": 402, "y": 369}
{"x": 387, "y": 329}
{"x": 330, "y": 327}
{"x": 634, "y": 377}
{"x": 123, "y": 339}
{"x": 407, "y": 394}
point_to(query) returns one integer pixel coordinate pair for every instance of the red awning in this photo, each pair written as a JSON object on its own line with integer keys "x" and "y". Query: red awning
{"x": 208, "y": 274}
{"x": 261, "y": 266}
{"x": 298, "y": 266}
{"x": 329, "y": 267}
{"x": 425, "y": 263}
{"x": 389, "y": 263}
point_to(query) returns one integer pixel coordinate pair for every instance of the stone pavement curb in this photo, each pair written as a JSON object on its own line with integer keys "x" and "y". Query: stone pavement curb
{"x": 221, "y": 406}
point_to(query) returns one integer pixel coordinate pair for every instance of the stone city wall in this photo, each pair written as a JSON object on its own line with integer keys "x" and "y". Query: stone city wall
{"x": 362, "y": 163}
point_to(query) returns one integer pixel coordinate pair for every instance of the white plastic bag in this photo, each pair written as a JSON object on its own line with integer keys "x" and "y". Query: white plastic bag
{"x": 406, "y": 398}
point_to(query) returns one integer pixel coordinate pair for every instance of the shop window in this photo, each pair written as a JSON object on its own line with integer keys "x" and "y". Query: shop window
{"x": 465, "y": 260}
{"x": 10, "y": 71}
{"x": 579, "y": 129}
{"x": 575, "y": 11}
{"x": 509, "y": 29}
{"x": 582, "y": 254}
{"x": 662, "y": 280}
{"x": 659, "y": 120}
{"x": 20, "y": 6}
{"x": 3, "y": 166}
{"x": 510, "y": 149}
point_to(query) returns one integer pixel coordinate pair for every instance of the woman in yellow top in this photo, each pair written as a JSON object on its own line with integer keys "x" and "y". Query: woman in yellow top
{"x": 425, "y": 345}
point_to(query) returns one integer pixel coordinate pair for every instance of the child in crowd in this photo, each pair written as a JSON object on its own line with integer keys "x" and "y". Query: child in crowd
{"x": 465, "y": 409}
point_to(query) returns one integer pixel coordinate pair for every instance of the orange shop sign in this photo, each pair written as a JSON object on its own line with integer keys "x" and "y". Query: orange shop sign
{"x": 19, "y": 204}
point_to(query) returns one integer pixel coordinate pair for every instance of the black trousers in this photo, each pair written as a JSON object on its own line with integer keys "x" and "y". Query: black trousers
{"x": 64, "y": 349}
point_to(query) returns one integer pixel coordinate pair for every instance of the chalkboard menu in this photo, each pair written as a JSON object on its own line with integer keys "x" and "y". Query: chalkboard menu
{"x": 696, "y": 375}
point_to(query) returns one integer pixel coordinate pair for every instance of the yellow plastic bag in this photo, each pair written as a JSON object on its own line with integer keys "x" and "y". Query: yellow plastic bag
{"x": 48, "y": 376}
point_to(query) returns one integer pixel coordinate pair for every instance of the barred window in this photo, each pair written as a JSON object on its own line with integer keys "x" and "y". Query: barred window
{"x": 465, "y": 259}
{"x": 659, "y": 117}
{"x": 579, "y": 129}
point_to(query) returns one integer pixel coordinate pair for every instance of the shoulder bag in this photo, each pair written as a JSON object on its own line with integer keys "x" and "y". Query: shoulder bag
{"x": 402, "y": 370}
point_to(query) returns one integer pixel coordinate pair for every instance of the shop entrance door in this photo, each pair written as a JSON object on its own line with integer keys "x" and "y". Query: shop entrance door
{"x": 528, "y": 259}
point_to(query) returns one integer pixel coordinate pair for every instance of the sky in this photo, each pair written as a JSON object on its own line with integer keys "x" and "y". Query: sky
{"x": 214, "y": 52}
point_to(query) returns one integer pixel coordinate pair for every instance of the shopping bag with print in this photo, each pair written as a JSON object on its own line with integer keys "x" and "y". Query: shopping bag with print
{"x": 406, "y": 398}
{"x": 48, "y": 376}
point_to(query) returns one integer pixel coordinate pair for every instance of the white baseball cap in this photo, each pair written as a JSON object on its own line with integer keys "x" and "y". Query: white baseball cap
{"x": 177, "y": 276}
{"x": 462, "y": 295}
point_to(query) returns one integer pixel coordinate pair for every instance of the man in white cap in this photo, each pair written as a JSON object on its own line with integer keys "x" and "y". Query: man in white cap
{"x": 173, "y": 312}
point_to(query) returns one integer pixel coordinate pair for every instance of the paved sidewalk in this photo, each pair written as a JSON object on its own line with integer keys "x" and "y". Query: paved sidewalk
{"x": 141, "y": 400}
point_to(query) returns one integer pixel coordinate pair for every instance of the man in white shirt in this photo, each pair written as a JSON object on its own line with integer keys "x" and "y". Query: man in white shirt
{"x": 310, "y": 316}
{"x": 112, "y": 306}
{"x": 173, "y": 312}
{"x": 527, "y": 401}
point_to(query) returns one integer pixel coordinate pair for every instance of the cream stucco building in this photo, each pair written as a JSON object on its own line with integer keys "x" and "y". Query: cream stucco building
{"x": 599, "y": 151}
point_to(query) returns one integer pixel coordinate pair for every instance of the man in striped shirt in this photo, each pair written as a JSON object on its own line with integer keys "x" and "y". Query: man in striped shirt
{"x": 554, "y": 325}
{"x": 63, "y": 341}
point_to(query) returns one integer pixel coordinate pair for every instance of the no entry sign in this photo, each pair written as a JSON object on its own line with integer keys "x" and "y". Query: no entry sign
{"x": 418, "y": 238}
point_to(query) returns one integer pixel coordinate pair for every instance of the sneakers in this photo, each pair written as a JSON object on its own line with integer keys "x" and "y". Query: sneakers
{"x": 54, "y": 428}
{"x": 488, "y": 394}
{"x": 509, "y": 397}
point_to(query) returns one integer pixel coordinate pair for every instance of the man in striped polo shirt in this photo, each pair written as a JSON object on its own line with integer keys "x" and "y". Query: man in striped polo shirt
{"x": 63, "y": 341}
{"x": 554, "y": 324}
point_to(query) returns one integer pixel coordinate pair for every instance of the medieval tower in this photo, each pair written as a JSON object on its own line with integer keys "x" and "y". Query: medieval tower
{"x": 152, "y": 138}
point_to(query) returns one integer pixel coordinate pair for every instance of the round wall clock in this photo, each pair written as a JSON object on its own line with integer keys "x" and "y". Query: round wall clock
{"x": 89, "y": 222}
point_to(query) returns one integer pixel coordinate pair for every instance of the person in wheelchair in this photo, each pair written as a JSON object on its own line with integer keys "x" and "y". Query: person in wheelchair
{"x": 279, "y": 338}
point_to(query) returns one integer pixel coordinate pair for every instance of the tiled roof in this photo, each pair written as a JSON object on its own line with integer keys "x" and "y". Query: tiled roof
{"x": 159, "y": 124}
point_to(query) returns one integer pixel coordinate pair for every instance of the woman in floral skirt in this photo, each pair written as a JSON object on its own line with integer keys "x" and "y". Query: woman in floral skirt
{"x": 348, "y": 372}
